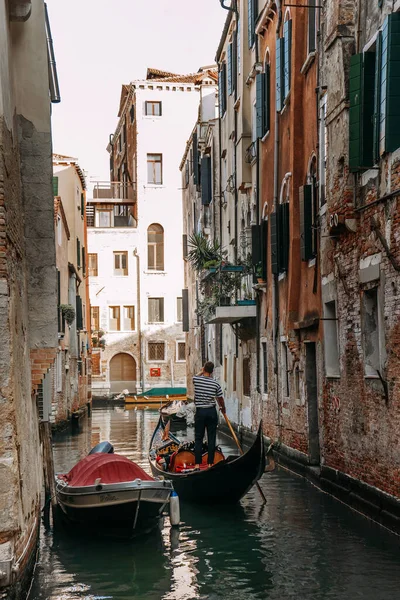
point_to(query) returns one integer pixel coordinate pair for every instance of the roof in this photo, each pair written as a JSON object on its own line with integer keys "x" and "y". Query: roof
{"x": 196, "y": 78}
{"x": 224, "y": 34}
{"x": 62, "y": 159}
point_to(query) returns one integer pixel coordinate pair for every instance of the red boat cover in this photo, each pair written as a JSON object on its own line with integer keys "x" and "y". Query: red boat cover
{"x": 109, "y": 468}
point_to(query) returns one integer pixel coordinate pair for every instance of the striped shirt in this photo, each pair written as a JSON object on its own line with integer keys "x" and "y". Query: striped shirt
{"x": 205, "y": 391}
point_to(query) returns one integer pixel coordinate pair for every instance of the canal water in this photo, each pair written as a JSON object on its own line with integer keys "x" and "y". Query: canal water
{"x": 301, "y": 545}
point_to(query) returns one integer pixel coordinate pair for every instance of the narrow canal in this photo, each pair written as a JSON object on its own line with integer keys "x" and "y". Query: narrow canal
{"x": 302, "y": 545}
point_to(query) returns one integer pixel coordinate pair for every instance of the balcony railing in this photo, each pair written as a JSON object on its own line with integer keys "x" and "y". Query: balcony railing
{"x": 251, "y": 153}
{"x": 105, "y": 216}
{"x": 114, "y": 190}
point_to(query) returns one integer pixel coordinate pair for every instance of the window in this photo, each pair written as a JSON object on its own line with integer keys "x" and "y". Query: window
{"x": 94, "y": 318}
{"x": 132, "y": 113}
{"x": 252, "y": 16}
{"x": 287, "y": 62}
{"x": 92, "y": 258}
{"x": 78, "y": 253}
{"x": 153, "y": 109}
{"x": 239, "y": 46}
{"x": 103, "y": 218}
{"x": 263, "y": 102}
{"x": 374, "y": 99}
{"x": 156, "y": 351}
{"x": 121, "y": 263}
{"x": 156, "y": 310}
{"x": 154, "y": 169}
{"x": 55, "y": 186}
{"x": 285, "y": 370}
{"x": 234, "y": 382}
{"x": 246, "y": 377}
{"x": 279, "y": 75}
{"x": 115, "y": 318}
{"x": 129, "y": 318}
{"x": 280, "y": 240}
{"x": 372, "y": 332}
{"x": 331, "y": 343}
{"x": 222, "y": 89}
{"x": 308, "y": 215}
{"x": 206, "y": 181}
{"x": 312, "y": 27}
{"x": 323, "y": 141}
{"x": 179, "y": 312}
{"x": 155, "y": 247}
{"x": 82, "y": 205}
{"x": 264, "y": 349}
{"x": 180, "y": 351}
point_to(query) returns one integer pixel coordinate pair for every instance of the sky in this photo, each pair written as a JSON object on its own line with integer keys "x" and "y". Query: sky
{"x": 101, "y": 44}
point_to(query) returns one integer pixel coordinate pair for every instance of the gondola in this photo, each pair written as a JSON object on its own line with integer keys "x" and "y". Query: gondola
{"x": 111, "y": 494}
{"x": 178, "y": 413}
{"x": 226, "y": 482}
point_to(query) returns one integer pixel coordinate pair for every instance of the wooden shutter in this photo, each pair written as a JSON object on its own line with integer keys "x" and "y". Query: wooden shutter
{"x": 184, "y": 246}
{"x": 264, "y": 248}
{"x": 229, "y": 62}
{"x": 78, "y": 253}
{"x": 283, "y": 233}
{"x": 259, "y": 104}
{"x": 311, "y": 26}
{"x": 255, "y": 244}
{"x": 273, "y": 219}
{"x": 221, "y": 107}
{"x": 185, "y": 310}
{"x": 82, "y": 204}
{"x": 250, "y": 15}
{"x": 377, "y": 96}
{"x": 266, "y": 99}
{"x": 55, "y": 186}
{"x": 287, "y": 44}
{"x": 206, "y": 180}
{"x": 362, "y": 77}
{"x": 279, "y": 83}
{"x": 195, "y": 160}
{"x": 390, "y": 85}
{"x": 83, "y": 260}
{"x": 79, "y": 313}
{"x": 222, "y": 89}
{"x": 306, "y": 230}
{"x": 234, "y": 60}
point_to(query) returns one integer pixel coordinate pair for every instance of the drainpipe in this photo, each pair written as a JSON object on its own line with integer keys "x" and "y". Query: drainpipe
{"x": 139, "y": 325}
{"x": 53, "y": 78}
{"x": 275, "y": 289}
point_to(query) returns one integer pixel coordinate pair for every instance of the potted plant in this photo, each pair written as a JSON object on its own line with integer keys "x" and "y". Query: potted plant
{"x": 95, "y": 341}
{"x": 68, "y": 313}
{"x": 259, "y": 272}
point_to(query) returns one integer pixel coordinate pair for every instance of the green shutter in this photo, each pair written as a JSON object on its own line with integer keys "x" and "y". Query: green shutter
{"x": 355, "y": 114}
{"x": 311, "y": 26}
{"x": 266, "y": 99}
{"x": 83, "y": 260}
{"x": 264, "y": 248}
{"x": 195, "y": 160}
{"x": 234, "y": 61}
{"x": 306, "y": 225}
{"x": 362, "y": 77}
{"x": 206, "y": 189}
{"x": 390, "y": 85}
{"x": 78, "y": 253}
{"x": 184, "y": 246}
{"x": 274, "y": 220}
{"x": 222, "y": 89}
{"x": 284, "y": 239}
{"x": 82, "y": 204}
{"x": 255, "y": 245}
{"x": 229, "y": 62}
{"x": 250, "y": 4}
{"x": 55, "y": 186}
{"x": 377, "y": 96}
{"x": 79, "y": 313}
{"x": 221, "y": 108}
{"x": 287, "y": 45}
{"x": 185, "y": 310}
{"x": 279, "y": 90}
{"x": 259, "y": 104}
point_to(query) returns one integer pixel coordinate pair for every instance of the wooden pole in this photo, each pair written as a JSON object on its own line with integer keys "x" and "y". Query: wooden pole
{"x": 241, "y": 452}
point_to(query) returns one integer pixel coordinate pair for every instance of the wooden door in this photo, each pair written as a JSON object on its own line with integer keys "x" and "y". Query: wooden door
{"x": 122, "y": 373}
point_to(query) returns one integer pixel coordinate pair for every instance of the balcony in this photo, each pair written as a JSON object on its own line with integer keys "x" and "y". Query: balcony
{"x": 235, "y": 313}
{"x": 114, "y": 191}
{"x": 106, "y": 216}
{"x": 251, "y": 153}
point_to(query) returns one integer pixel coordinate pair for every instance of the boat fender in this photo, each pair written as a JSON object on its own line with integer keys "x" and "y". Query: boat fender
{"x": 174, "y": 509}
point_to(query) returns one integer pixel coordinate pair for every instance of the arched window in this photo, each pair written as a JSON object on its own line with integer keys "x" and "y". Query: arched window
{"x": 155, "y": 247}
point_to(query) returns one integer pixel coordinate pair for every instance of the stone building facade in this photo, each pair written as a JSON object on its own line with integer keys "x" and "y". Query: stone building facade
{"x": 71, "y": 378}
{"x": 28, "y": 313}
{"x": 135, "y": 239}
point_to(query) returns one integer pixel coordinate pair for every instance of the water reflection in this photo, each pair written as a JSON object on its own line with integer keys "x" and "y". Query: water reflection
{"x": 302, "y": 544}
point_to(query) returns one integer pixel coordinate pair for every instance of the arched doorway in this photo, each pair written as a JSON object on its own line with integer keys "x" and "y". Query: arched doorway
{"x": 122, "y": 373}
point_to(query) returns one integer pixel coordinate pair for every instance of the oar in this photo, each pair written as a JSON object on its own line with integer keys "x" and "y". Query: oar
{"x": 241, "y": 452}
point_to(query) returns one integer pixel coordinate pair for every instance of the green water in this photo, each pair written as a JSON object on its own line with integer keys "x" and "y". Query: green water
{"x": 302, "y": 545}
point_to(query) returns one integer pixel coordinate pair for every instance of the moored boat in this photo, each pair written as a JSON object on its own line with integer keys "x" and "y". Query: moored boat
{"x": 112, "y": 494}
{"x": 156, "y": 395}
{"x": 178, "y": 412}
{"x": 227, "y": 481}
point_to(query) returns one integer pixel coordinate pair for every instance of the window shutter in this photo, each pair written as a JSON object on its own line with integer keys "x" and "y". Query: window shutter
{"x": 274, "y": 243}
{"x": 132, "y": 113}
{"x": 266, "y": 99}
{"x": 279, "y": 90}
{"x": 206, "y": 180}
{"x": 255, "y": 244}
{"x": 185, "y": 310}
{"x": 234, "y": 60}
{"x": 184, "y": 245}
{"x": 195, "y": 160}
{"x": 83, "y": 260}
{"x": 287, "y": 45}
{"x": 311, "y": 26}
{"x": 251, "y": 22}
{"x": 222, "y": 89}
{"x": 55, "y": 186}
{"x": 229, "y": 61}
{"x": 377, "y": 95}
{"x": 390, "y": 85}
{"x": 283, "y": 240}
{"x": 79, "y": 315}
{"x": 306, "y": 230}
{"x": 220, "y": 93}
{"x": 78, "y": 253}
{"x": 264, "y": 248}
{"x": 259, "y": 104}
{"x": 82, "y": 204}
{"x": 362, "y": 78}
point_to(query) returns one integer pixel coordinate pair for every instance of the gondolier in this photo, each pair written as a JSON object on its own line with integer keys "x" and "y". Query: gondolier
{"x": 206, "y": 390}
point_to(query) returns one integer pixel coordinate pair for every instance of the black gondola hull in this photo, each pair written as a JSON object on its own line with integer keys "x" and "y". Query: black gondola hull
{"x": 225, "y": 483}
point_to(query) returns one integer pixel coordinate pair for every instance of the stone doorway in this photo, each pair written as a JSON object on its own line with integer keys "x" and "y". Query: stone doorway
{"x": 122, "y": 373}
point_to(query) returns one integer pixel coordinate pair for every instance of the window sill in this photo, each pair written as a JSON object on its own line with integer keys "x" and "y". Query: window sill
{"x": 154, "y": 272}
{"x": 154, "y": 185}
{"x": 331, "y": 376}
{"x": 266, "y": 136}
{"x": 155, "y": 323}
{"x": 308, "y": 62}
{"x": 282, "y": 276}
{"x": 180, "y": 361}
{"x": 158, "y": 362}
{"x": 312, "y": 262}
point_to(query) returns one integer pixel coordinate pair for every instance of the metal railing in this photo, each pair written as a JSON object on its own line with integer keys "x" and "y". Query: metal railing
{"x": 251, "y": 153}
{"x": 114, "y": 190}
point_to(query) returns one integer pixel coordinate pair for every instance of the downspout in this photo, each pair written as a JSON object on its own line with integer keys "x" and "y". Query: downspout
{"x": 53, "y": 78}
{"x": 275, "y": 290}
{"x": 139, "y": 325}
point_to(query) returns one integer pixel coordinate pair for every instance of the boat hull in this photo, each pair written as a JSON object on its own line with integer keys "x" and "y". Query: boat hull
{"x": 224, "y": 483}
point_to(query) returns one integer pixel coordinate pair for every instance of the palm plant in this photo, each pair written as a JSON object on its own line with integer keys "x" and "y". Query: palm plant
{"x": 203, "y": 252}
